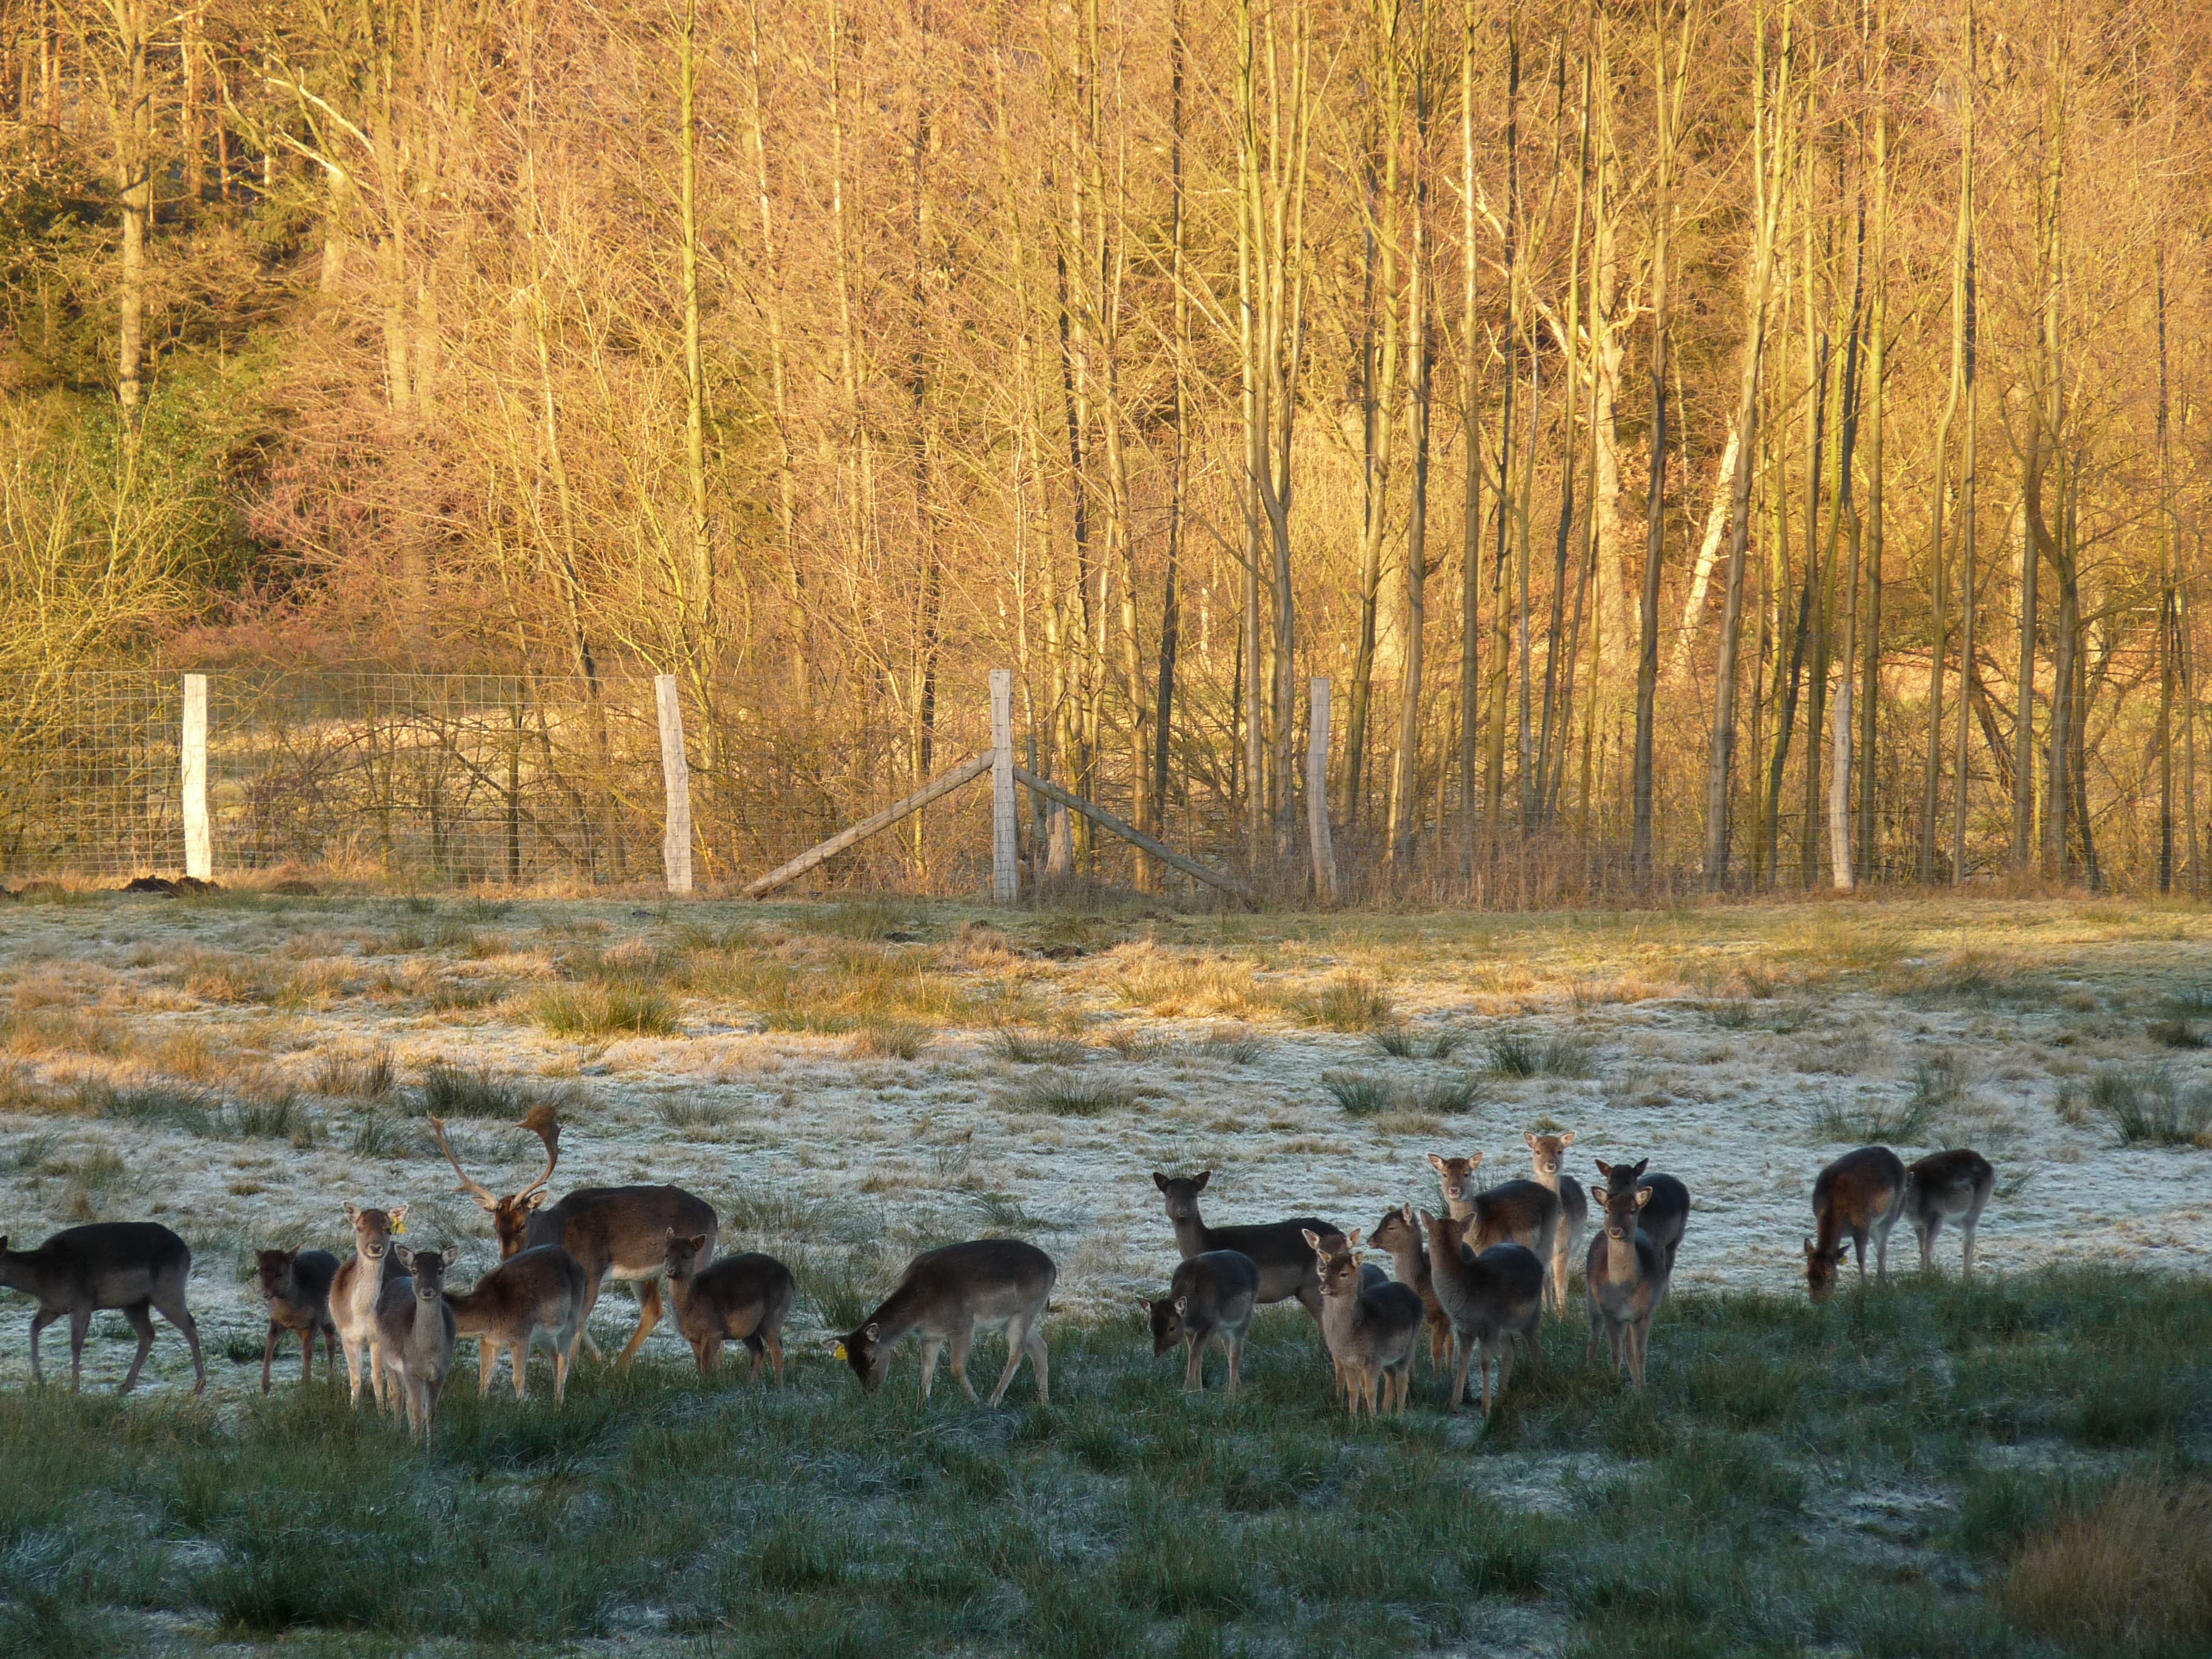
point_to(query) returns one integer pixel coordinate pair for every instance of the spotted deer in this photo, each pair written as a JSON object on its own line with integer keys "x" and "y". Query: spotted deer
{"x": 1370, "y": 1330}
{"x": 128, "y": 1264}
{"x": 534, "y": 1297}
{"x": 295, "y": 1286}
{"x": 1488, "y": 1297}
{"x": 1213, "y": 1294}
{"x": 742, "y": 1298}
{"x": 1859, "y": 1195}
{"x": 949, "y": 1297}
{"x": 1952, "y": 1184}
{"x": 1399, "y": 1235}
{"x": 415, "y": 1333}
{"x": 1547, "y": 1154}
{"x": 355, "y": 1288}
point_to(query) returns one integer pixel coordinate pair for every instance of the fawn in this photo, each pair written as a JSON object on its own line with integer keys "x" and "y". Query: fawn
{"x": 1666, "y": 1212}
{"x": 1861, "y": 1193}
{"x": 1277, "y": 1248}
{"x": 296, "y": 1285}
{"x": 1488, "y": 1297}
{"x": 1942, "y": 1184}
{"x": 951, "y": 1294}
{"x": 1626, "y": 1275}
{"x": 355, "y": 1288}
{"x": 1548, "y": 1154}
{"x": 1371, "y": 1329}
{"x": 415, "y": 1332}
{"x": 1514, "y": 1211}
{"x": 1399, "y": 1235}
{"x": 1214, "y": 1293}
{"x": 127, "y": 1265}
{"x": 534, "y": 1297}
{"x": 740, "y": 1298}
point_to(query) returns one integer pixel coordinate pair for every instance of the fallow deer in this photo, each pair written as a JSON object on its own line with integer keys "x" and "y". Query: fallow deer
{"x": 613, "y": 1232}
{"x": 1488, "y": 1297}
{"x": 1861, "y": 1193}
{"x": 1370, "y": 1330}
{"x": 1666, "y": 1212}
{"x": 1626, "y": 1274}
{"x": 1513, "y": 1212}
{"x": 1215, "y": 1293}
{"x": 1399, "y": 1235}
{"x": 415, "y": 1332}
{"x": 295, "y": 1284}
{"x": 128, "y": 1264}
{"x": 534, "y": 1297}
{"x": 1278, "y": 1249}
{"x": 1952, "y": 1184}
{"x": 950, "y": 1296}
{"x": 1547, "y": 1154}
{"x": 740, "y": 1298}
{"x": 359, "y": 1282}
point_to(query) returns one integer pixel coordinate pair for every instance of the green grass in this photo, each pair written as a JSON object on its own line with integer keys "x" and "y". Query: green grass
{"x": 1066, "y": 1094}
{"x": 2150, "y": 1107}
{"x": 602, "y": 1010}
{"x": 1127, "y": 1518}
{"x": 1522, "y": 1054}
{"x": 1871, "y": 1123}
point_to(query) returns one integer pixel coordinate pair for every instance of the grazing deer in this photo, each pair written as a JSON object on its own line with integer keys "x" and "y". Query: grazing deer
{"x": 296, "y": 1285}
{"x": 359, "y": 1282}
{"x": 1548, "y": 1154}
{"x": 1514, "y": 1211}
{"x": 613, "y": 1232}
{"x": 1626, "y": 1275}
{"x": 415, "y": 1333}
{"x": 952, "y": 1295}
{"x": 128, "y": 1264}
{"x": 740, "y": 1298}
{"x": 1399, "y": 1235}
{"x": 1277, "y": 1248}
{"x": 1861, "y": 1193}
{"x": 1212, "y": 1294}
{"x": 1370, "y": 1330}
{"x": 1957, "y": 1183}
{"x": 1666, "y": 1212}
{"x": 536, "y": 1297}
{"x": 1488, "y": 1297}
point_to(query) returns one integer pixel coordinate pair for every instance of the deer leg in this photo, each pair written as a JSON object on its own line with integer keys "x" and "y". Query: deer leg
{"x": 931, "y": 1347}
{"x": 648, "y": 1315}
{"x": 1017, "y": 1334}
{"x": 772, "y": 1339}
{"x": 1858, "y": 1248}
{"x": 1033, "y": 1345}
{"x": 962, "y": 1342}
{"x": 168, "y": 1300}
{"x": 1459, "y": 1374}
{"x": 353, "y": 1366}
{"x": 560, "y": 1375}
{"x": 1193, "y": 1368}
{"x": 1881, "y": 1251}
{"x": 1234, "y": 1344}
{"x": 268, "y": 1353}
{"x": 307, "y": 1357}
{"x": 143, "y": 1323}
{"x": 79, "y": 1324}
{"x": 40, "y": 1321}
{"x": 1966, "y": 1233}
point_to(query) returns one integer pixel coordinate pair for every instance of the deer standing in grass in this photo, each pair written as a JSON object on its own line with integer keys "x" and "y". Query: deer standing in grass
{"x": 1278, "y": 1249}
{"x": 534, "y": 1297}
{"x": 295, "y": 1284}
{"x": 1399, "y": 1235}
{"x": 613, "y": 1232}
{"x": 1860, "y": 1196}
{"x": 131, "y": 1265}
{"x": 415, "y": 1332}
{"x": 1626, "y": 1273}
{"x": 1512, "y": 1212}
{"x": 952, "y": 1295}
{"x": 1488, "y": 1297}
{"x": 359, "y": 1282}
{"x": 1371, "y": 1329}
{"x": 1954, "y": 1183}
{"x": 1547, "y": 1154}
{"x": 1215, "y": 1293}
{"x": 741, "y": 1298}
{"x": 1666, "y": 1212}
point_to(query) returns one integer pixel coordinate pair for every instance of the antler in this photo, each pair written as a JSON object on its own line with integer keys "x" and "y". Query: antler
{"x": 542, "y": 1123}
{"x": 482, "y": 1197}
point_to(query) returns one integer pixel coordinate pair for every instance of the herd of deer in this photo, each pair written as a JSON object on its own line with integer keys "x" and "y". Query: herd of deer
{"x": 1472, "y": 1278}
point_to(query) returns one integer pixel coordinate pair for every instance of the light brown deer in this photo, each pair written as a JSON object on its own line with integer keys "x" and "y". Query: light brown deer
{"x": 1399, "y": 1235}
{"x": 354, "y": 1291}
{"x": 950, "y": 1296}
{"x": 128, "y": 1264}
{"x": 1626, "y": 1276}
{"x": 536, "y": 1297}
{"x": 740, "y": 1298}
{"x": 1954, "y": 1183}
{"x": 1860, "y": 1196}
{"x": 1512, "y": 1212}
{"x": 1547, "y": 1154}
{"x": 613, "y": 1232}
{"x": 415, "y": 1338}
{"x": 295, "y": 1285}
{"x": 1371, "y": 1329}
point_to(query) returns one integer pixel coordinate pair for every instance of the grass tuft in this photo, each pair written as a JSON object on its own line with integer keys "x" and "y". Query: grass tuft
{"x": 457, "y": 1092}
{"x": 2176, "y": 1032}
{"x": 1360, "y": 1096}
{"x": 1871, "y": 1123}
{"x": 1403, "y": 1042}
{"x": 602, "y": 1010}
{"x": 691, "y": 1113}
{"x": 2150, "y": 1108}
{"x": 154, "y": 1105}
{"x": 368, "y": 1076}
{"x": 1352, "y": 1002}
{"x": 1522, "y": 1054}
{"x": 2131, "y": 1572}
{"x": 1028, "y": 1048}
{"x": 890, "y": 1039}
{"x": 1064, "y": 1094}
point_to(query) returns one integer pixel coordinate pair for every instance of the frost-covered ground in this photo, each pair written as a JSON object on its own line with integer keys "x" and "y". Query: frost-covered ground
{"x": 212, "y": 1063}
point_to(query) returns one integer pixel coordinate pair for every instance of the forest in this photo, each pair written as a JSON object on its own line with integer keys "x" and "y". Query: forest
{"x": 1703, "y": 444}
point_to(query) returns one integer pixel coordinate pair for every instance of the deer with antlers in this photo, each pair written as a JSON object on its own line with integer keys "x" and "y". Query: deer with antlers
{"x": 613, "y": 1232}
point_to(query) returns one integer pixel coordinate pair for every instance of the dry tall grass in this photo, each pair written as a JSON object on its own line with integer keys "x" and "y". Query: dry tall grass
{"x": 2131, "y": 1572}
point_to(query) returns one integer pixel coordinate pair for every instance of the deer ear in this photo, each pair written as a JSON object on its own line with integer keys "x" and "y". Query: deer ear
{"x": 1603, "y": 1168}
{"x": 1182, "y": 1305}
{"x": 1438, "y": 1162}
{"x": 351, "y": 1213}
{"x": 404, "y": 1256}
{"x": 1475, "y": 1162}
{"x": 1312, "y": 1238}
{"x": 1809, "y": 1251}
{"x": 1529, "y": 1135}
{"x": 868, "y": 1331}
{"x": 669, "y": 1238}
{"x": 1568, "y": 1139}
{"x": 697, "y": 1243}
{"x": 536, "y": 1198}
{"x": 398, "y": 1215}
{"x": 1198, "y": 1181}
{"x": 1642, "y": 1196}
{"x": 483, "y": 1203}
{"x": 1406, "y": 1212}
{"x": 1427, "y": 1220}
{"x": 1352, "y": 1239}
{"x": 1159, "y": 1181}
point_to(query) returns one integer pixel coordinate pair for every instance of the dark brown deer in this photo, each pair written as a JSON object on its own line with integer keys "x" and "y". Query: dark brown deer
{"x": 1488, "y": 1297}
{"x": 1371, "y": 1329}
{"x": 1666, "y": 1212}
{"x": 131, "y": 1265}
{"x": 536, "y": 1297}
{"x": 1861, "y": 1194}
{"x": 1954, "y": 1183}
{"x": 613, "y": 1232}
{"x": 1277, "y": 1248}
{"x": 359, "y": 1282}
{"x": 1215, "y": 1293}
{"x": 415, "y": 1332}
{"x": 740, "y": 1298}
{"x": 951, "y": 1295}
{"x": 1547, "y": 1154}
{"x": 1399, "y": 1235}
{"x": 1626, "y": 1276}
{"x": 1512, "y": 1212}
{"x": 296, "y": 1286}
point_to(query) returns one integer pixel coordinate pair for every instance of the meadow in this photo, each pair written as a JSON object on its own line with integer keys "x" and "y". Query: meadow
{"x": 1925, "y": 1468}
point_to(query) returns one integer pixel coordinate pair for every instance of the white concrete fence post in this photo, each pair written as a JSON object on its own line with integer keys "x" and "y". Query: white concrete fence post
{"x": 1324, "y": 852}
{"x": 199, "y": 843}
{"x": 1006, "y": 872}
{"x": 676, "y": 779}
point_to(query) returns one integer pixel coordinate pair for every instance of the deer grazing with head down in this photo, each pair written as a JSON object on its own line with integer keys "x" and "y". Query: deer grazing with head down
{"x": 952, "y": 1295}
{"x": 1214, "y": 1293}
{"x": 613, "y": 1233}
{"x": 127, "y": 1265}
{"x": 1858, "y": 1196}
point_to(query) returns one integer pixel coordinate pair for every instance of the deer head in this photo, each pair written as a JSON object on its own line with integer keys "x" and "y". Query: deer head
{"x": 1820, "y": 1269}
{"x": 375, "y": 1230}
{"x": 1457, "y": 1176}
{"x": 1337, "y": 1256}
{"x": 683, "y": 1256}
{"x": 1181, "y": 1193}
{"x": 510, "y": 1216}
{"x": 1166, "y": 1316}
{"x": 1549, "y": 1153}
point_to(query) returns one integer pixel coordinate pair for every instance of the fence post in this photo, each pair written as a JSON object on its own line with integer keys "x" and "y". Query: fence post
{"x": 199, "y": 843}
{"x": 1324, "y": 854}
{"x": 1006, "y": 873}
{"x": 676, "y": 779}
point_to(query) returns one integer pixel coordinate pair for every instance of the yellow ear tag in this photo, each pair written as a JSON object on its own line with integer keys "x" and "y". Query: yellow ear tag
{"x": 840, "y": 1351}
{"x": 398, "y": 1228}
